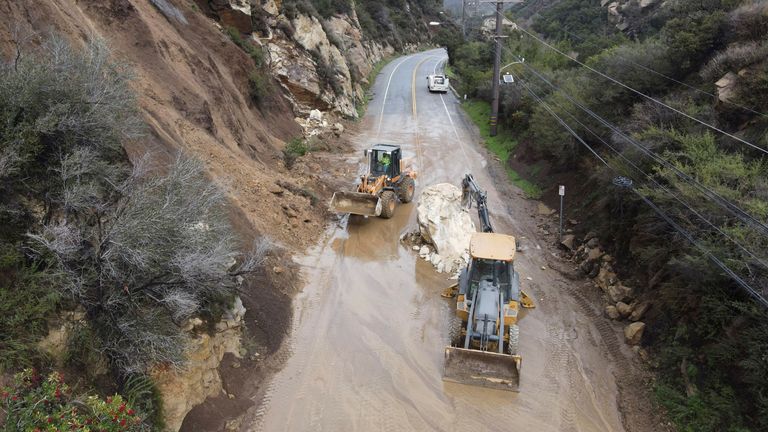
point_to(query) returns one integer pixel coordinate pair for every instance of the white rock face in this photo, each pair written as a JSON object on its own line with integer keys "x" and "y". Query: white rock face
{"x": 270, "y": 6}
{"x": 183, "y": 390}
{"x": 445, "y": 224}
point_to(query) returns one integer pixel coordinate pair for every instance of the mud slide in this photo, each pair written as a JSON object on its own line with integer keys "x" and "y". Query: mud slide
{"x": 370, "y": 328}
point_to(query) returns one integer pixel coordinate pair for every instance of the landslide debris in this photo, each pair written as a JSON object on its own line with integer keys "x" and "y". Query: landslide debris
{"x": 445, "y": 225}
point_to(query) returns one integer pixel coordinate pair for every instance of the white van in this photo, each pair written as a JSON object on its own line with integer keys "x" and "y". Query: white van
{"x": 438, "y": 83}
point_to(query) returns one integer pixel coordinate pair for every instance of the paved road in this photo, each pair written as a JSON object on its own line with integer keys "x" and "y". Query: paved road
{"x": 366, "y": 350}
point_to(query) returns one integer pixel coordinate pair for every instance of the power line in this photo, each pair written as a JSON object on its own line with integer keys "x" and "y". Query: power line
{"x": 687, "y": 235}
{"x": 614, "y": 80}
{"x": 667, "y": 77}
{"x": 723, "y": 202}
{"x": 662, "y": 187}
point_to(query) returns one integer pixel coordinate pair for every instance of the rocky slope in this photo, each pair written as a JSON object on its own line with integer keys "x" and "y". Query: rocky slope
{"x": 193, "y": 85}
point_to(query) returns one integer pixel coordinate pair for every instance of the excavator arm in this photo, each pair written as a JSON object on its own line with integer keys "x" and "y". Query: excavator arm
{"x": 471, "y": 192}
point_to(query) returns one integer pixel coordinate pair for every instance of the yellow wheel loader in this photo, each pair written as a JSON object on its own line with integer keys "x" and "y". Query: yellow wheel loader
{"x": 488, "y": 300}
{"x": 390, "y": 178}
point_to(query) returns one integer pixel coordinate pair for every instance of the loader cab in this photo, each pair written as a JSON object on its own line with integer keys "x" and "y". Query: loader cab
{"x": 384, "y": 159}
{"x": 492, "y": 261}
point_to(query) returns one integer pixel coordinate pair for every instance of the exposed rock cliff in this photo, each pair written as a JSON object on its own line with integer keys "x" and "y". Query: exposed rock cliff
{"x": 321, "y": 63}
{"x": 182, "y": 390}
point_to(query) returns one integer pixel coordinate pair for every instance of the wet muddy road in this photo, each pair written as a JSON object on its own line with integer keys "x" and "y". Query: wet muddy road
{"x": 370, "y": 327}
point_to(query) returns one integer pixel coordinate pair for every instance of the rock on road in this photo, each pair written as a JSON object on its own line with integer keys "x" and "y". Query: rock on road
{"x": 369, "y": 330}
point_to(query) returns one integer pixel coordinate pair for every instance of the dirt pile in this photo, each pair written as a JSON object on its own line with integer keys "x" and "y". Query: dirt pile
{"x": 446, "y": 225}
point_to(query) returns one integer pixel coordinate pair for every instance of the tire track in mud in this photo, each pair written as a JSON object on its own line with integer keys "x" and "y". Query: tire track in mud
{"x": 604, "y": 328}
{"x": 287, "y": 352}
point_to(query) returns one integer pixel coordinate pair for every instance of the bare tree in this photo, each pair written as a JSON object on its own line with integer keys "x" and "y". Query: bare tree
{"x": 145, "y": 262}
{"x": 140, "y": 251}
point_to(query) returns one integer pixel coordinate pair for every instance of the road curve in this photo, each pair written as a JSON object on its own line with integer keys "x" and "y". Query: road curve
{"x": 369, "y": 330}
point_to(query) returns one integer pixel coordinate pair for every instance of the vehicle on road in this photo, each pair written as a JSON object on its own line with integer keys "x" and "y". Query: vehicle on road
{"x": 488, "y": 301}
{"x": 438, "y": 83}
{"x": 390, "y": 178}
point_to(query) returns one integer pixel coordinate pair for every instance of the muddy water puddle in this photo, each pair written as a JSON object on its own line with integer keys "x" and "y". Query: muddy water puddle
{"x": 369, "y": 330}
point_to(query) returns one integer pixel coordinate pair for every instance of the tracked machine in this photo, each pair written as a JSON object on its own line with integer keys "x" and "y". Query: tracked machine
{"x": 390, "y": 178}
{"x": 488, "y": 302}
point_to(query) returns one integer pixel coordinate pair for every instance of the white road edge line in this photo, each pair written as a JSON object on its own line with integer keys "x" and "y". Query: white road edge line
{"x": 386, "y": 92}
{"x": 450, "y": 119}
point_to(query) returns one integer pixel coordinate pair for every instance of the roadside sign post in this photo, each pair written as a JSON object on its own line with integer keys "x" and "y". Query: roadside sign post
{"x": 561, "y": 192}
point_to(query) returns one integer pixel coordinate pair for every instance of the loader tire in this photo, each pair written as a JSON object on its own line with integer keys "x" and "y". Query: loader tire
{"x": 406, "y": 190}
{"x": 514, "y": 339}
{"x": 388, "y": 201}
{"x": 455, "y": 331}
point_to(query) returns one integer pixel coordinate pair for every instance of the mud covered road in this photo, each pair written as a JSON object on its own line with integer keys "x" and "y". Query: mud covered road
{"x": 369, "y": 330}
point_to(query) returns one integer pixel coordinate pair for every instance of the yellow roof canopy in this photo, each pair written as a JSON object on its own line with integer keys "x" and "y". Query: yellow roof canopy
{"x": 492, "y": 246}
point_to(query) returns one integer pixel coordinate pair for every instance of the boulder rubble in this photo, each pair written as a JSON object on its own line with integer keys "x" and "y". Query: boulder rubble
{"x": 445, "y": 228}
{"x": 622, "y": 301}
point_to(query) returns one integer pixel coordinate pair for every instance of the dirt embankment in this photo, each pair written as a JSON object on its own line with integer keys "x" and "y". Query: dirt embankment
{"x": 192, "y": 86}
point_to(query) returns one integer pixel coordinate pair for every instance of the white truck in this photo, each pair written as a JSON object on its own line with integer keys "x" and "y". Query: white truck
{"x": 438, "y": 83}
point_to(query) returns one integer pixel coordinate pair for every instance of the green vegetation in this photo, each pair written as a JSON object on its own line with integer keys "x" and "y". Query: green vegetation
{"x": 362, "y": 105}
{"x": 85, "y": 231}
{"x": 501, "y": 145}
{"x": 37, "y": 403}
{"x": 259, "y": 86}
{"x": 295, "y": 148}
{"x": 24, "y": 312}
{"x": 706, "y": 336}
{"x": 254, "y": 52}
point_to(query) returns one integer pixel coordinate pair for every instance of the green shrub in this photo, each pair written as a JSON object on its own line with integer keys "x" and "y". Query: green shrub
{"x": 83, "y": 351}
{"x": 501, "y": 145}
{"x": 753, "y": 87}
{"x": 26, "y": 303}
{"x": 749, "y": 22}
{"x": 141, "y": 393}
{"x": 254, "y": 52}
{"x": 692, "y": 37}
{"x": 295, "y": 148}
{"x": 259, "y": 86}
{"x": 36, "y": 403}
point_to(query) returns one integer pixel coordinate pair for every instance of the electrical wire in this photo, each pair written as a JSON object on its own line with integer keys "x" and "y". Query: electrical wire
{"x": 667, "y": 77}
{"x": 720, "y": 200}
{"x": 665, "y": 189}
{"x": 638, "y": 92}
{"x": 687, "y": 235}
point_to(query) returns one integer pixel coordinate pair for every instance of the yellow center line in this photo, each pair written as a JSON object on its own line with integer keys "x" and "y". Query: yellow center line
{"x": 413, "y": 109}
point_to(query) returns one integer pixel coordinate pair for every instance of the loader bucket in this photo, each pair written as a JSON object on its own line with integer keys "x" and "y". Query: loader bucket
{"x": 355, "y": 203}
{"x": 482, "y": 368}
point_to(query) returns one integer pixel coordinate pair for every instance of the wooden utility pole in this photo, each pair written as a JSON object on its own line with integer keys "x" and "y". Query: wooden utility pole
{"x": 464, "y": 18}
{"x": 497, "y": 68}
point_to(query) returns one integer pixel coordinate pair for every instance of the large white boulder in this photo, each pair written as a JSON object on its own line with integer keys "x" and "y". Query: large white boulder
{"x": 446, "y": 224}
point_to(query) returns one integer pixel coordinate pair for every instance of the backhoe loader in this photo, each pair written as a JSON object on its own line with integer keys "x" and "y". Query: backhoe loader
{"x": 390, "y": 178}
{"x": 488, "y": 301}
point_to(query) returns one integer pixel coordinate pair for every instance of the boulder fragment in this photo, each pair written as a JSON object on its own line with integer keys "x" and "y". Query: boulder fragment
{"x": 611, "y": 312}
{"x": 568, "y": 241}
{"x": 624, "y": 309}
{"x": 633, "y": 333}
{"x": 639, "y": 311}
